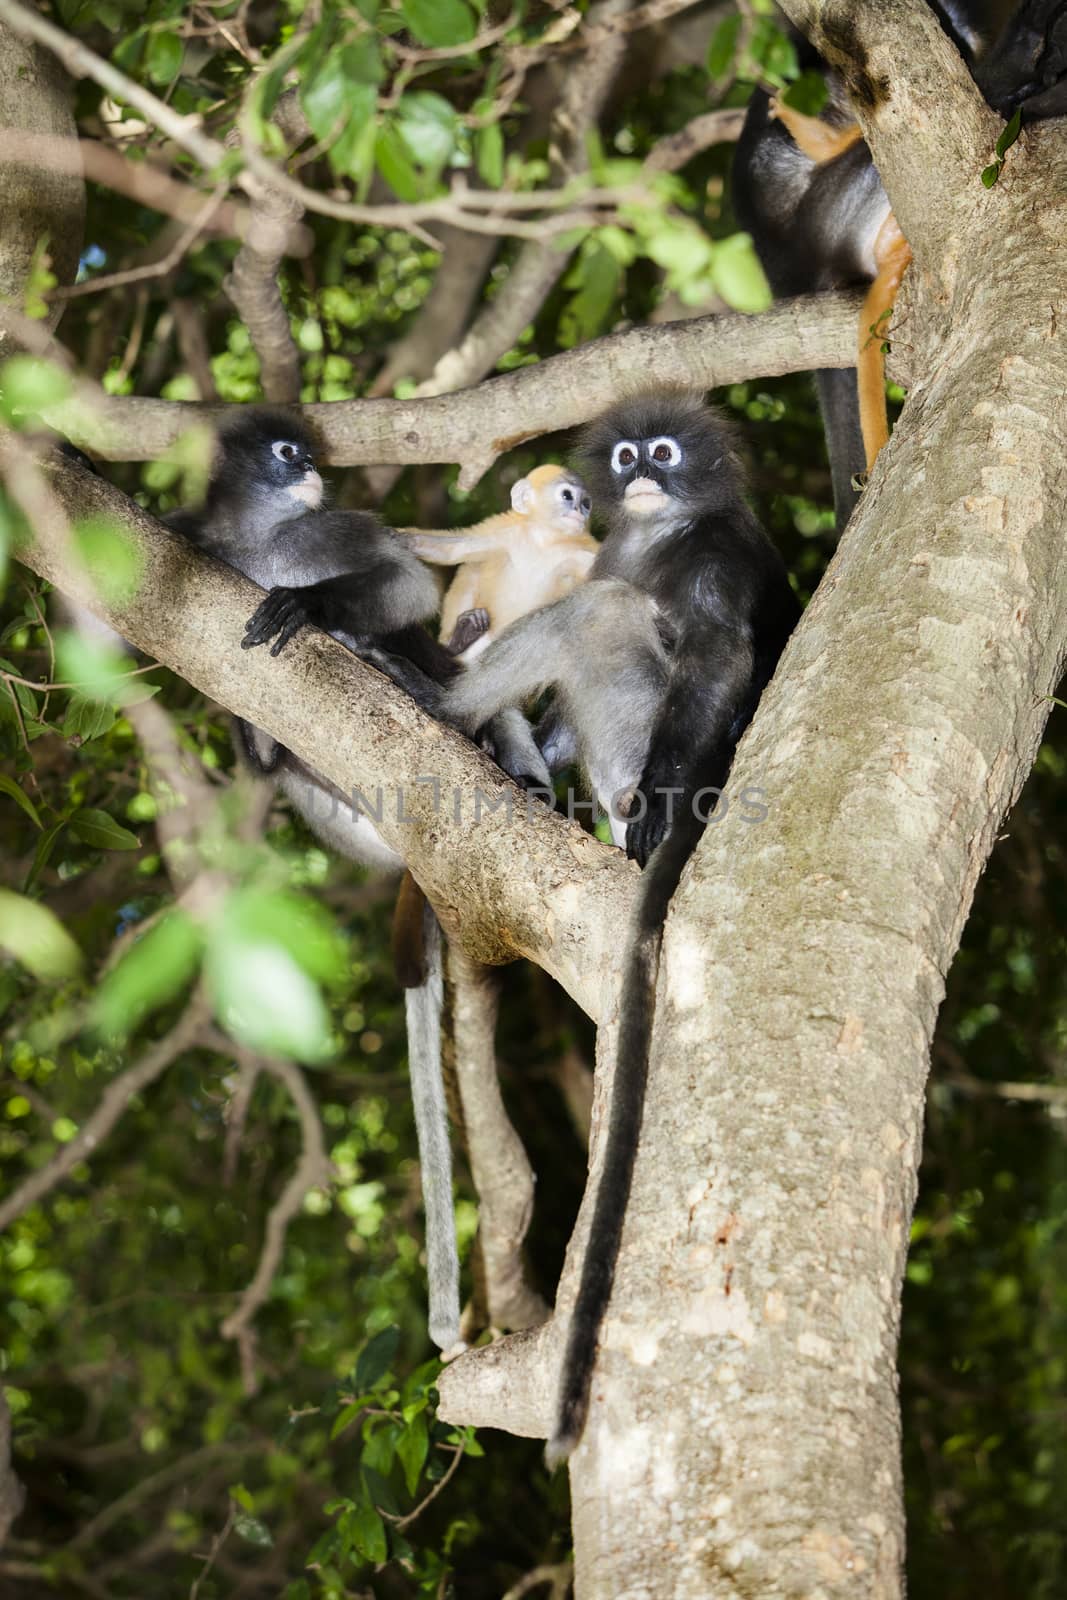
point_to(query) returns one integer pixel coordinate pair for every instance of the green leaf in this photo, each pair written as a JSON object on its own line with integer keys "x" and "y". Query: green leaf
{"x": 376, "y": 1358}
{"x": 991, "y": 173}
{"x": 597, "y": 275}
{"x": 395, "y": 165}
{"x": 723, "y": 47}
{"x": 101, "y": 831}
{"x": 344, "y": 1419}
{"x": 111, "y": 558}
{"x": 428, "y": 126}
{"x": 8, "y": 786}
{"x": 87, "y": 719}
{"x": 45, "y": 845}
{"x": 340, "y": 101}
{"x": 252, "y": 1530}
{"x": 301, "y": 926}
{"x": 738, "y": 276}
{"x": 155, "y": 969}
{"x": 1010, "y": 132}
{"x": 164, "y": 57}
{"x": 411, "y": 1450}
{"x": 36, "y": 938}
{"x": 489, "y": 154}
{"x": 264, "y": 998}
{"x": 92, "y": 662}
{"x": 29, "y": 384}
{"x": 808, "y": 94}
{"x": 439, "y": 23}
{"x": 364, "y": 1531}
{"x": 239, "y": 1493}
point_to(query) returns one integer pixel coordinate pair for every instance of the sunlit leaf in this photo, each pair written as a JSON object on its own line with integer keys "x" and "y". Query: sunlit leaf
{"x": 161, "y": 963}
{"x": 36, "y": 938}
{"x": 265, "y": 998}
{"x": 164, "y": 57}
{"x": 439, "y": 23}
{"x": 30, "y": 384}
{"x": 738, "y": 276}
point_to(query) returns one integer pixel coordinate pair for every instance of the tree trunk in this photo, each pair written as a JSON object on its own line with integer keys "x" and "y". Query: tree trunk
{"x": 744, "y": 1433}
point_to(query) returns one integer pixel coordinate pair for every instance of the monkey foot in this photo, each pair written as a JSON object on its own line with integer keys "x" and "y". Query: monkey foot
{"x": 470, "y": 625}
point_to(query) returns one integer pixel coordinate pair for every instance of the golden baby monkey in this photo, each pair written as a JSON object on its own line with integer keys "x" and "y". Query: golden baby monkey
{"x": 514, "y": 562}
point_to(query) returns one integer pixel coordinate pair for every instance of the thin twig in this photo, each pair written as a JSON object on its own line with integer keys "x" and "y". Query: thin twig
{"x": 212, "y": 1555}
{"x": 310, "y": 1172}
{"x": 400, "y": 1523}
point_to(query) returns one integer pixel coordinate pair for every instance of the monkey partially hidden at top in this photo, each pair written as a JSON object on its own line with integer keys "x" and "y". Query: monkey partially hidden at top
{"x": 514, "y": 562}
{"x": 807, "y": 191}
{"x": 657, "y": 663}
{"x": 347, "y": 573}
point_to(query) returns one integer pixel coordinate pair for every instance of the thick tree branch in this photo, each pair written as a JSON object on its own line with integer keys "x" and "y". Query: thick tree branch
{"x": 479, "y": 424}
{"x": 254, "y": 289}
{"x": 514, "y": 880}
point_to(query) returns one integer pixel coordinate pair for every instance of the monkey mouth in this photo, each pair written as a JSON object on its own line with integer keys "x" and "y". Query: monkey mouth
{"x": 309, "y": 493}
{"x": 643, "y": 494}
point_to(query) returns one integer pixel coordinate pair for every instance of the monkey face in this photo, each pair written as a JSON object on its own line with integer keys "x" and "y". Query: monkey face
{"x": 572, "y": 501}
{"x": 657, "y": 451}
{"x": 274, "y": 451}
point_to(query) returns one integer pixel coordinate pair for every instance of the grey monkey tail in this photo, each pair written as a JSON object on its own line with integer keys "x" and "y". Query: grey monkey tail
{"x": 625, "y": 1116}
{"x": 422, "y": 1006}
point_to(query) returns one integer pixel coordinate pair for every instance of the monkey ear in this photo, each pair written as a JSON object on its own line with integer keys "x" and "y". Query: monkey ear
{"x": 523, "y": 496}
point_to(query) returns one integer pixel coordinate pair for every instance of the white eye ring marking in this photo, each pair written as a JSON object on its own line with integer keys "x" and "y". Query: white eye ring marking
{"x": 285, "y": 450}
{"x": 673, "y": 448}
{"x": 617, "y": 462}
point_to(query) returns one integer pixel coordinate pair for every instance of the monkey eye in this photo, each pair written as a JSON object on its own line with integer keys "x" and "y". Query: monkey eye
{"x": 623, "y": 456}
{"x": 567, "y": 496}
{"x": 666, "y": 451}
{"x": 284, "y": 451}
{"x": 585, "y": 505}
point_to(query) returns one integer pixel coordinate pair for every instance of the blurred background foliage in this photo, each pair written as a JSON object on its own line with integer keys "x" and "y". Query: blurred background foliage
{"x": 158, "y": 1458}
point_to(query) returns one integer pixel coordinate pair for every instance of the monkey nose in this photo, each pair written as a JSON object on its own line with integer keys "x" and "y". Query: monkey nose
{"x": 643, "y": 492}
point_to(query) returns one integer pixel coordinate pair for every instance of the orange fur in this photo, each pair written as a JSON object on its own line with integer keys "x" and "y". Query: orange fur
{"x": 819, "y": 140}
{"x": 892, "y": 255}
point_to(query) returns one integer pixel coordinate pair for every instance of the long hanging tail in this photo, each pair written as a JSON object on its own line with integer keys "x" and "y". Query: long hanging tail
{"x": 422, "y": 1007}
{"x": 623, "y": 1130}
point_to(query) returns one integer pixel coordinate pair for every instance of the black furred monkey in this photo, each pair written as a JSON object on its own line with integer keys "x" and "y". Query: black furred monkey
{"x": 349, "y": 574}
{"x": 807, "y": 190}
{"x": 658, "y": 662}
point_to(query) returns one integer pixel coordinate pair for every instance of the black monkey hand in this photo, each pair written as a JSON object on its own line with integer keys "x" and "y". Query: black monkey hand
{"x": 647, "y": 830}
{"x": 654, "y": 806}
{"x": 282, "y": 613}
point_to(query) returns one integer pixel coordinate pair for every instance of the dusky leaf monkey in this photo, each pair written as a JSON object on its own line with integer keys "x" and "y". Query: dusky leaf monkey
{"x": 514, "y": 562}
{"x": 346, "y": 572}
{"x": 657, "y": 663}
{"x": 807, "y": 190}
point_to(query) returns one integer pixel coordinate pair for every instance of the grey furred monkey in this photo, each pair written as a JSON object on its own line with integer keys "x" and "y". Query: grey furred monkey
{"x": 346, "y": 572}
{"x": 657, "y": 662}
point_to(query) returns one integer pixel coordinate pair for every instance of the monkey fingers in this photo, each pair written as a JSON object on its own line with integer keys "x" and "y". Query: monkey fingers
{"x": 470, "y": 625}
{"x": 282, "y": 613}
{"x": 650, "y": 828}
